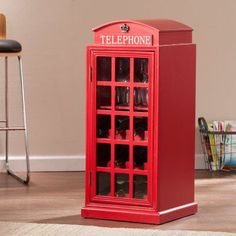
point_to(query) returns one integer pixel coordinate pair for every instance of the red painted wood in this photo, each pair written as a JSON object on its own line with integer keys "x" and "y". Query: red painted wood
{"x": 139, "y": 215}
{"x": 170, "y": 114}
{"x": 113, "y": 112}
{"x": 164, "y": 31}
{"x": 176, "y": 125}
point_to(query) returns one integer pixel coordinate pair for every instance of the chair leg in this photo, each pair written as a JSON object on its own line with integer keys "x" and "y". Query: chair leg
{"x": 9, "y": 171}
{"x": 24, "y": 121}
{"x": 6, "y": 111}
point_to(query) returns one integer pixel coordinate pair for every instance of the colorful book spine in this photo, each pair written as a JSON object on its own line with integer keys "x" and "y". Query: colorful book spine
{"x": 230, "y": 144}
{"x": 215, "y": 164}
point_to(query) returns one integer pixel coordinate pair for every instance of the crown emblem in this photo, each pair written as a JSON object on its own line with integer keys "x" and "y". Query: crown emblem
{"x": 124, "y": 28}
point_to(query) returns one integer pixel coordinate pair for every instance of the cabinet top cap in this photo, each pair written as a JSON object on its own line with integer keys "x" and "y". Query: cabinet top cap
{"x": 142, "y": 33}
{"x": 158, "y": 24}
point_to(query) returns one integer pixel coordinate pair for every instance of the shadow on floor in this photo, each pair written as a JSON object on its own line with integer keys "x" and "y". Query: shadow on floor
{"x": 78, "y": 220}
{"x": 206, "y": 174}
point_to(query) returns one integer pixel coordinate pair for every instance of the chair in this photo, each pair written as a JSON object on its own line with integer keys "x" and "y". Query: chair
{"x": 12, "y": 48}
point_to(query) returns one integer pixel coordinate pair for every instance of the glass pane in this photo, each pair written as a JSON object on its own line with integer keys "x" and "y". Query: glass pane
{"x": 122, "y": 127}
{"x": 122, "y": 185}
{"x": 121, "y": 156}
{"x": 141, "y": 70}
{"x": 103, "y": 126}
{"x": 140, "y": 128}
{"x": 140, "y": 99}
{"x": 104, "y": 97}
{"x": 103, "y": 184}
{"x": 140, "y": 157}
{"x": 103, "y": 68}
{"x": 140, "y": 186}
{"x": 122, "y": 98}
{"x": 122, "y": 69}
{"x": 103, "y": 155}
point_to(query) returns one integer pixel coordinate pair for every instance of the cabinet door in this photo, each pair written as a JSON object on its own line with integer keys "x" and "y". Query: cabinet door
{"x": 120, "y": 147}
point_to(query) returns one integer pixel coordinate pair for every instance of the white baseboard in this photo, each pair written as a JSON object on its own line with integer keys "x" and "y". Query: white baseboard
{"x": 63, "y": 163}
{"x": 46, "y": 163}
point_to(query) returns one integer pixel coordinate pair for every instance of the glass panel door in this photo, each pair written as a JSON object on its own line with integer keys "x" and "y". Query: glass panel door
{"x": 123, "y": 159}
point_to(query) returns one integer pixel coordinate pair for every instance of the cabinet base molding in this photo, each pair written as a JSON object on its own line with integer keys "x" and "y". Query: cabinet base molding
{"x": 139, "y": 215}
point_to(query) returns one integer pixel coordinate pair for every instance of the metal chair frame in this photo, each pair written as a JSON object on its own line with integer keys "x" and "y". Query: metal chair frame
{"x": 7, "y": 128}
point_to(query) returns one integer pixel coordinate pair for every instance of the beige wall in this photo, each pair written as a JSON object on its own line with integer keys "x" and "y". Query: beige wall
{"x": 54, "y": 34}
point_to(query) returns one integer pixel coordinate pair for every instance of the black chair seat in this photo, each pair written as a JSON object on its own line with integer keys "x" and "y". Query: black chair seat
{"x": 8, "y": 46}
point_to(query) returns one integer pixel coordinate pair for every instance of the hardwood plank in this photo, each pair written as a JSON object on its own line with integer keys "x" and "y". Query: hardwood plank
{"x": 57, "y": 197}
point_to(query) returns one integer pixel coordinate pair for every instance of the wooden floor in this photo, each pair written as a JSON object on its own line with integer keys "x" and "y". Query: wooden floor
{"x": 58, "y": 197}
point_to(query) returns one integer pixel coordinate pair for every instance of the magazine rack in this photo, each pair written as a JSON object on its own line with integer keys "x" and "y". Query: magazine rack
{"x": 140, "y": 108}
{"x": 219, "y": 147}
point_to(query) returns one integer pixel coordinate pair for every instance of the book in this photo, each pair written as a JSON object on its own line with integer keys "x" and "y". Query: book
{"x": 215, "y": 163}
{"x": 230, "y": 144}
{"x": 219, "y": 142}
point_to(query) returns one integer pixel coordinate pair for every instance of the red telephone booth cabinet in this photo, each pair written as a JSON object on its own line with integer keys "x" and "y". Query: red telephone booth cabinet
{"x": 140, "y": 122}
